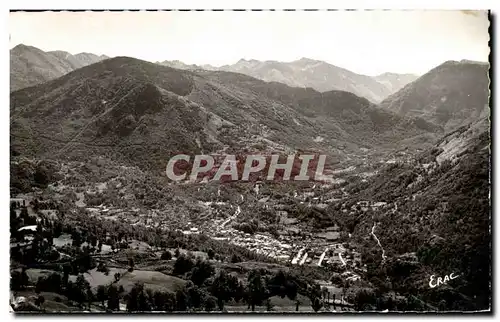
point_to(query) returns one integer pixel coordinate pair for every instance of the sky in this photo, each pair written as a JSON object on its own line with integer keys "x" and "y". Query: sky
{"x": 366, "y": 42}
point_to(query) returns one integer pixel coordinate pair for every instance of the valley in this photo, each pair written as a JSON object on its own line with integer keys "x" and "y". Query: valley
{"x": 97, "y": 226}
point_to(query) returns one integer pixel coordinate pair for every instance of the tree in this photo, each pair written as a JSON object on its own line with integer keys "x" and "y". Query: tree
{"x": 210, "y": 253}
{"x": 101, "y": 294}
{"x": 113, "y": 298}
{"x": 269, "y": 305}
{"x": 181, "y": 300}
{"x": 257, "y": 291}
{"x": 39, "y": 284}
{"x": 16, "y": 281}
{"x": 14, "y": 222}
{"x": 235, "y": 259}
{"x": 39, "y": 301}
{"x": 145, "y": 298}
{"x": 24, "y": 277}
{"x": 210, "y": 303}
{"x": 364, "y": 299}
{"x": 90, "y": 296}
{"x": 195, "y": 295}
{"x": 79, "y": 289}
{"x": 51, "y": 283}
{"x": 131, "y": 264}
{"x": 170, "y": 301}
{"x": 102, "y": 268}
{"x": 77, "y": 239}
{"x": 138, "y": 299}
{"x": 41, "y": 176}
{"x": 316, "y": 304}
{"x": 225, "y": 287}
{"x": 324, "y": 292}
{"x": 66, "y": 271}
{"x": 159, "y": 301}
{"x": 182, "y": 265}
{"x": 315, "y": 294}
{"x": 166, "y": 255}
{"x": 282, "y": 284}
{"x": 201, "y": 272}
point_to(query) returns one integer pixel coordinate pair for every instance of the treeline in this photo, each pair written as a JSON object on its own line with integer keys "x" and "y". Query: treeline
{"x": 205, "y": 290}
{"x": 26, "y": 174}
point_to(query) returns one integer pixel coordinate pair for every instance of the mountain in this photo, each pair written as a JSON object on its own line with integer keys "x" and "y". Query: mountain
{"x": 450, "y": 95}
{"x": 180, "y": 65}
{"x": 30, "y": 66}
{"x": 394, "y": 82}
{"x": 116, "y": 107}
{"x": 315, "y": 74}
{"x": 435, "y": 221}
{"x": 88, "y": 58}
{"x": 64, "y": 56}
{"x": 339, "y": 116}
{"x": 122, "y": 105}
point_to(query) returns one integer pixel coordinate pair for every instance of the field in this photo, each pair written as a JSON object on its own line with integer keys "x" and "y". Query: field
{"x": 151, "y": 279}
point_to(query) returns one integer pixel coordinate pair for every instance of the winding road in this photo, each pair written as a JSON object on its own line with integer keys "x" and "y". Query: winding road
{"x": 341, "y": 259}
{"x": 378, "y": 241}
{"x": 236, "y": 213}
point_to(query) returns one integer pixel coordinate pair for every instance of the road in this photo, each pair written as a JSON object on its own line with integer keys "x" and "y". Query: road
{"x": 378, "y": 241}
{"x": 236, "y": 213}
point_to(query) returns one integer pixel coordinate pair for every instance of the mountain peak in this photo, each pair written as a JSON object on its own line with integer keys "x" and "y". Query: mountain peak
{"x": 23, "y": 47}
{"x": 308, "y": 60}
{"x": 31, "y": 66}
{"x": 460, "y": 94}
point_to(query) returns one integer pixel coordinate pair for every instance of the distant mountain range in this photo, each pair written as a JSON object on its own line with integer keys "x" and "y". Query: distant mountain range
{"x": 120, "y": 106}
{"x": 316, "y": 74}
{"x": 394, "y": 82}
{"x": 451, "y": 95}
{"x": 115, "y": 104}
{"x": 31, "y": 66}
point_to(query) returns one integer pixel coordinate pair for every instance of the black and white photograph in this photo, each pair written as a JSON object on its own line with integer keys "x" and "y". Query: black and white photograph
{"x": 250, "y": 161}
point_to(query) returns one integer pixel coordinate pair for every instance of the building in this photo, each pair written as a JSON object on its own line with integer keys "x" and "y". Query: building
{"x": 19, "y": 201}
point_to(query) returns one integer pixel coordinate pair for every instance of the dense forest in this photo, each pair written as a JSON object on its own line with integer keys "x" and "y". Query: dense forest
{"x": 436, "y": 222}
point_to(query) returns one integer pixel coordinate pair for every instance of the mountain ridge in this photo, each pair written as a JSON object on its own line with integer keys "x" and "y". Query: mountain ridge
{"x": 118, "y": 100}
{"x": 30, "y": 66}
{"x": 452, "y": 94}
{"x": 307, "y": 72}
